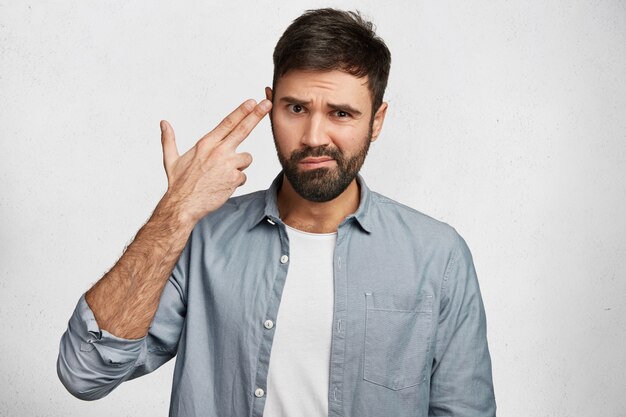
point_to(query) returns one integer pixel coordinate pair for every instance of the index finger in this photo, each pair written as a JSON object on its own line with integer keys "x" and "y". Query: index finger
{"x": 244, "y": 128}
{"x": 231, "y": 121}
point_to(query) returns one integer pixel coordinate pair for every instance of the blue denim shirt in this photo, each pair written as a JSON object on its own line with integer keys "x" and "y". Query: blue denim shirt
{"x": 409, "y": 330}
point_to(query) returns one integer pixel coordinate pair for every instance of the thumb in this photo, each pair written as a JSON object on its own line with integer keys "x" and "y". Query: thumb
{"x": 168, "y": 141}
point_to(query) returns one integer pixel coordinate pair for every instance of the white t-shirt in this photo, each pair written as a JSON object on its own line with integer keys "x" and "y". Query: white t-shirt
{"x": 298, "y": 375}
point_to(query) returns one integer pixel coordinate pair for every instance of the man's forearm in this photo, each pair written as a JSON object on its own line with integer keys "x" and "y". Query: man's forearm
{"x": 125, "y": 300}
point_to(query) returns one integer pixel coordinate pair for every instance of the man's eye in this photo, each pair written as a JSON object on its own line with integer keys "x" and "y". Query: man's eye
{"x": 295, "y": 108}
{"x": 342, "y": 114}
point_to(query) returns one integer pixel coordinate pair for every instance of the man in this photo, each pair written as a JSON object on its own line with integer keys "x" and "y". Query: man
{"x": 317, "y": 297}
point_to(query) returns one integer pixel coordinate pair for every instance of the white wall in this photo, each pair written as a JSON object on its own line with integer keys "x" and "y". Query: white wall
{"x": 507, "y": 120}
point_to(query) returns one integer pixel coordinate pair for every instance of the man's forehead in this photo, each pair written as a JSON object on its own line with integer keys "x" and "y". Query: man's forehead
{"x": 333, "y": 83}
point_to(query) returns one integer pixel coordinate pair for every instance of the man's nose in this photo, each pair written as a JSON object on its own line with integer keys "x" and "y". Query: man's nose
{"x": 315, "y": 133}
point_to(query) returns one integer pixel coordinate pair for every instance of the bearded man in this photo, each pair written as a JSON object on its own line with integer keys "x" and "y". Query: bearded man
{"x": 316, "y": 297}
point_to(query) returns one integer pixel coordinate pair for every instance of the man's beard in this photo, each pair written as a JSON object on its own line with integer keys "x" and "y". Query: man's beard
{"x": 323, "y": 184}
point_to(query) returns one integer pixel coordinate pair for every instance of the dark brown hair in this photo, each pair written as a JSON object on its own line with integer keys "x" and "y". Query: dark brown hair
{"x": 331, "y": 39}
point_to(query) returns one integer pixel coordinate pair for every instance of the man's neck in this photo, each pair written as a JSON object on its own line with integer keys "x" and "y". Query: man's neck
{"x": 314, "y": 217}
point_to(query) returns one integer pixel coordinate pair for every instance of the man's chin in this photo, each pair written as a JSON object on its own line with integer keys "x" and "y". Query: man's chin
{"x": 319, "y": 185}
{"x": 316, "y": 174}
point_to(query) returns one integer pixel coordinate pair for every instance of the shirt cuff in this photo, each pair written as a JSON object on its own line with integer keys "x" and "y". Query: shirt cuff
{"x": 113, "y": 350}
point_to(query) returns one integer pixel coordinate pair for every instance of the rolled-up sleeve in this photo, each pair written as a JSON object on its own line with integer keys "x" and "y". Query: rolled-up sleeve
{"x": 92, "y": 361}
{"x": 461, "y": 380}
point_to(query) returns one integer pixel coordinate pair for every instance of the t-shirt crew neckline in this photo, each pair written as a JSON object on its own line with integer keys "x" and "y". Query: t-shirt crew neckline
{"x": 302, "y": 232}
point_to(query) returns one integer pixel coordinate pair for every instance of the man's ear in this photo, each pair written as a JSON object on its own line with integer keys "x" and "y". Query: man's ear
{"x": 268, "y": 93}
{"x": 379, "y": 118}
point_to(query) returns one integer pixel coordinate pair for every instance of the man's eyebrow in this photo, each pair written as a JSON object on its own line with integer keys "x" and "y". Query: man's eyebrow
{"x": 341, "y": 107}
{"x": 345, "y": 107}
{"x": 293, "y": 100}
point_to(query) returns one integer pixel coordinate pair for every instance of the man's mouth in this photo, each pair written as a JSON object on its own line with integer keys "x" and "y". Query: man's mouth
{"x": 316, "y": 162}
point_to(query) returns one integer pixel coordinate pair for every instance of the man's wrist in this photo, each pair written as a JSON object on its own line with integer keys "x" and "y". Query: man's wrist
{"x": 171, "y": 213}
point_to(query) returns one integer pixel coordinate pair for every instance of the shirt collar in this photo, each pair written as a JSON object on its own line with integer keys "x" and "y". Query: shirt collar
{"x": 270, "y": 210}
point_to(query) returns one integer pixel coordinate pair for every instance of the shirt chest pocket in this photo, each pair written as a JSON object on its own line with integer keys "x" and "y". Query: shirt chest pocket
{"x": 397, "y": 339}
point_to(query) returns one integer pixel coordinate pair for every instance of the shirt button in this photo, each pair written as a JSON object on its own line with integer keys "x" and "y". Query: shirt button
{"x": 284, "y": 259}
{"x": 259, "y": 393}
{"x": 268, "y": 324}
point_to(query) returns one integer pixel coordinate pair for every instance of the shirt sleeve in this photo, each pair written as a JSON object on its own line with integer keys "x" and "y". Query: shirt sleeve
{"x": 461, "y": 381}
{"x": 92, "y": 361}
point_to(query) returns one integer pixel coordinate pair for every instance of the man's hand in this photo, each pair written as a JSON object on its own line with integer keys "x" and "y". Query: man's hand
{"x": 125, "y": 300}
{"x": 201, "y": 180}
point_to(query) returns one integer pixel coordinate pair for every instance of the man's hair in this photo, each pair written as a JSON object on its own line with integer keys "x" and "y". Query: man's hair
{"x": 331, "y": 39}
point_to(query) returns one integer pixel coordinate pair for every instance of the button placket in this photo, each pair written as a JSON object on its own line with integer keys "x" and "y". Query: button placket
{"x": 267, "y": 320}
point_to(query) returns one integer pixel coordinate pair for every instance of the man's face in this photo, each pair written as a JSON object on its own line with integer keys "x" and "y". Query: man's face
{"x": 322, "y": 125}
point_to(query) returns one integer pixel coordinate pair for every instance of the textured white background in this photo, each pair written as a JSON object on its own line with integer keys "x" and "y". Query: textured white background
{"x": 507, "y": 120}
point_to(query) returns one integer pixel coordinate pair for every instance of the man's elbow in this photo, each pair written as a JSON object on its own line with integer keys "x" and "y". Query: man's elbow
{"x": 78, "y": 383}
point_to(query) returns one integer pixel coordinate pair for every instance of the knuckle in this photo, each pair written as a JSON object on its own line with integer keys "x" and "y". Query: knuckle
{"x": 228, "y": 122}
{"x": 220, "y": 152}
{"x": 243, "y": 128}
{"x": 202, "y": 145}
{"x": 235, "y": 176}
{"x": 259, "y": 112}
{"x": 205, "y": 145}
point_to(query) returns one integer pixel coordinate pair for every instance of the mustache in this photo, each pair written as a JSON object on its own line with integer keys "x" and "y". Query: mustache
{"x": 316, "y": 152}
